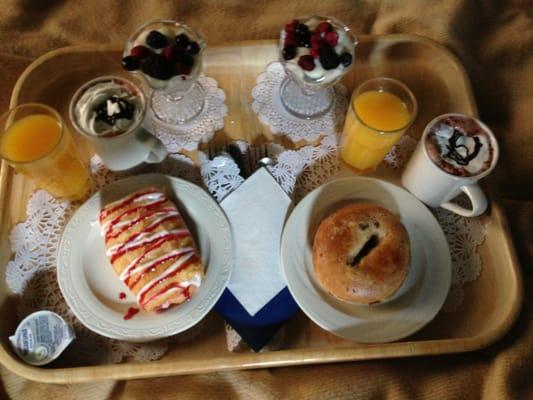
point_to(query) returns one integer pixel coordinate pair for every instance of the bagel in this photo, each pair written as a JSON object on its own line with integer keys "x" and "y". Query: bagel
{"x": 361, "y": 254}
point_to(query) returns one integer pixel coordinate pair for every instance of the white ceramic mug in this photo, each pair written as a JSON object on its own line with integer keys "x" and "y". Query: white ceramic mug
{"x": 127, "y": 149}
{"x": 435, "y": 187}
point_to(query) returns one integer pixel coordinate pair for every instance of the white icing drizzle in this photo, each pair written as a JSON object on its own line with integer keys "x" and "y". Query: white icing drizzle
{"x": 168, "y": 212}
{"x": 144, "y": 267}
{"x": 143, "y": 238}
{"x": 164, "y": 274}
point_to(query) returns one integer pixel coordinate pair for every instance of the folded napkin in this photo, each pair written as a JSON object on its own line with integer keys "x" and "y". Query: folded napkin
{"x": 256, "y": 301}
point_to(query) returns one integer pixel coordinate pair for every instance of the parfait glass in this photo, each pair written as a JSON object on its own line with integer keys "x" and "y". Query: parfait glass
{"x": 170, "y": 69}
{"x": 307, "y": 90}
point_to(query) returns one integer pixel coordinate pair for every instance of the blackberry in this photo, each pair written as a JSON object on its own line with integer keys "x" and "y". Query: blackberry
{"x": 328, "y": 58}
{"x": 185, "y": 58}
{"x": 158, "y": 67}
{"x": 130, "y": 63}
{"x": 303, "y": 36}
{"x": 156, "y": 40}
{"x": 345, "y": 59}
{"x": 288, "y": 52}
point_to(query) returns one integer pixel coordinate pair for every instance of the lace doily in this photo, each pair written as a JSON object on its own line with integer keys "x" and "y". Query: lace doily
{"x": 201, "y": 130}
{"x": 34, "y": 242}
{"x": 267, "y": 105}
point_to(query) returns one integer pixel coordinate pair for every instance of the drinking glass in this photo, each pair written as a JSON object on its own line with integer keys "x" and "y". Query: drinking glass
{"x": 380, "y": 111}
{"x": 181, "y": 98}
{"x": 36, "y": 142}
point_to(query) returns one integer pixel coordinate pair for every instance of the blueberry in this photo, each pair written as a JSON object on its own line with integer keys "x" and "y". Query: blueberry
{"x": 288, "y": 52}
{"x": 158, "y": 67}
{"x": 193, "y": 48}
{"x": 156, "y": 40}
{"x": 182, "y": 40}
{"x": 130, "y": 63}
{"x": 328, "y": 58}
{"x": 346, "y": 59}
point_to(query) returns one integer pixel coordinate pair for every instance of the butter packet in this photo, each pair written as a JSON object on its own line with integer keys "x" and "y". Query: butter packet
{"x": 41, "y": 337}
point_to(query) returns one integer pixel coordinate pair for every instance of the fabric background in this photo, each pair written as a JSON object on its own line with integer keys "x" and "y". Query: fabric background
{"x": 494, "y": 40}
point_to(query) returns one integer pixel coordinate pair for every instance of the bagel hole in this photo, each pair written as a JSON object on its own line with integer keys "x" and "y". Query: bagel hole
{"x": 369, "y": 245}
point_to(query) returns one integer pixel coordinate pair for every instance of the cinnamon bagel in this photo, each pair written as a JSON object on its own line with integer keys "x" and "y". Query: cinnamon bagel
{"x": 361, "y": 254}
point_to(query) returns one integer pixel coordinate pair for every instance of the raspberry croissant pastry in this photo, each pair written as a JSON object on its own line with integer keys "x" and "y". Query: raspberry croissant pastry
{"x": 151, "y": 249}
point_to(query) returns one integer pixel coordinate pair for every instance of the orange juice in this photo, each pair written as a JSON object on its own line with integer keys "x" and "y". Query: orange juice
{"x": 40, "y": 147}
{"x": 376, "y": 120}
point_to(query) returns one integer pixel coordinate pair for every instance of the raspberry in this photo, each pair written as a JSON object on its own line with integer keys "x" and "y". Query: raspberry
{"x": 306, "y": 62}
{"x": 156, "y": 40}
{"x": 324, "y": 27}
{"x": 332, "y": 38}
{"x": 130, "y": 63}
{"x": 316, "y": 41}
{"x": 328, "y": 58}
{"x": 315, "y": 53}
{"x": 140, "y": 52}
{"x": 171, "y": 52}
{"x": 345, "y": 59}
{"x": 288, "y": 52}
{"x": 289, "y": 28}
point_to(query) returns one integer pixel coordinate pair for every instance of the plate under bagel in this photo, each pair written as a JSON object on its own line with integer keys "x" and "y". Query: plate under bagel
{"x": 417, "y": 301}
{"x": 92, "y": 289}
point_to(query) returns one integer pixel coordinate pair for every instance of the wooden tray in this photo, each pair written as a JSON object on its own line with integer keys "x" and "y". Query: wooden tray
{"x": 440, "y": 84}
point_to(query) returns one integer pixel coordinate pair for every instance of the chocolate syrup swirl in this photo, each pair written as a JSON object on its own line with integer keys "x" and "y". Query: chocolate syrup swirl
{"x": 126, "y": 110}
{"x": 453, "y": 149}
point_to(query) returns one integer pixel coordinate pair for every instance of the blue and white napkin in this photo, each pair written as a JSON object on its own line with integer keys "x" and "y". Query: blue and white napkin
{"x": 256, "y": 301}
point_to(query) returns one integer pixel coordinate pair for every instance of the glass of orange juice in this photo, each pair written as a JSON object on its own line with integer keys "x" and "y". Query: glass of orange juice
{"x": 36, "y": 142}
{"x": 381, "y": 110}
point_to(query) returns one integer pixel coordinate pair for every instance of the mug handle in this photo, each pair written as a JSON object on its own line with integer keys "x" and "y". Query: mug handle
{"x": 477, "y": 198}
{"x": 158, "y": 151}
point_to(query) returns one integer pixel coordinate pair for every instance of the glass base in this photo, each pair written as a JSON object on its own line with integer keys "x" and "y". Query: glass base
{"x": 305, "y": 103}
{"x": 177, "y": 107}
{"x": 357, "y": 171}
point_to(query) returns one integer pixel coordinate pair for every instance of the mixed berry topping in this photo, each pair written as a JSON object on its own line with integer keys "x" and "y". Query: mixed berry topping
{"x": 321, "y": 43}
{"x": 114, "y": 108}
{"x": 163, "y": 57}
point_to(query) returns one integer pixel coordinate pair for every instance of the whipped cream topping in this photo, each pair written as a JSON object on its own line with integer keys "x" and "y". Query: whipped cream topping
{"x": 460, "y": 147}
{"x": 107, "y": 93}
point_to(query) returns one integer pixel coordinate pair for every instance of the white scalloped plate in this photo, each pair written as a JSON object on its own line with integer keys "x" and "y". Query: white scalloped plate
{"x": 416, "y": 302}
{"x": 91, "y": 287}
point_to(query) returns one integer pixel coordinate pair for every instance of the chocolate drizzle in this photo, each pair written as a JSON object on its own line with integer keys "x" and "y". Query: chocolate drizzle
{"x": 453, "y": 149}
{"x": 105, "y": 112}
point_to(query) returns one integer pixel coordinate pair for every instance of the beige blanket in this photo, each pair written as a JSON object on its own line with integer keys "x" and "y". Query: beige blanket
{"x": 494, "y": 39}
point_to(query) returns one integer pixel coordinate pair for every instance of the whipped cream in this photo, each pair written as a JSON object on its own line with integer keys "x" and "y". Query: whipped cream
{"x": 106, "y": 92}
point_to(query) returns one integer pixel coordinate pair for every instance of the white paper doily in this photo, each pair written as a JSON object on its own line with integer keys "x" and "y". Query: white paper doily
{"x": 267, "y": 105}
{"x": 31, "y": 271}
{"x": 201, "y": 130}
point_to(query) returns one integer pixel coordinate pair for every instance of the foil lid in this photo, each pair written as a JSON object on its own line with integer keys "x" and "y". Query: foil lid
{"x": 41, "y": 337}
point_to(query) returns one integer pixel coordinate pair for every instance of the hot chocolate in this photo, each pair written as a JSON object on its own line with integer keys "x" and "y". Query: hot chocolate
{"x": 459, "y": 145}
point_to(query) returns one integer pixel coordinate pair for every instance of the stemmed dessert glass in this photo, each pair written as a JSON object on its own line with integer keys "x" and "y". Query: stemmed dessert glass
{"x": 313, "y": 63}
{"x": 170, "y": 67}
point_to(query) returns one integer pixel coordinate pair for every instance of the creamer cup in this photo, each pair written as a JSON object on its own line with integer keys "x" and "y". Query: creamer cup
{"x": 41, "y": 337}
